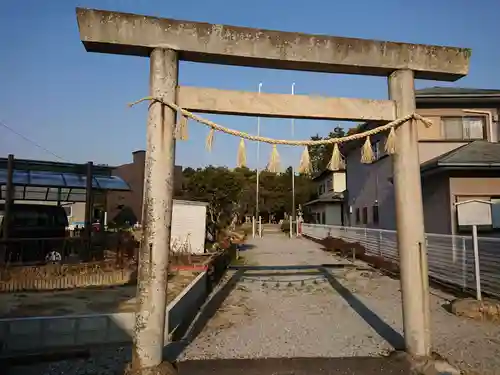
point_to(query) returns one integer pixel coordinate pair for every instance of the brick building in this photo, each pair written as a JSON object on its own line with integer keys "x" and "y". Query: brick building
{"x": 125, "y": 206}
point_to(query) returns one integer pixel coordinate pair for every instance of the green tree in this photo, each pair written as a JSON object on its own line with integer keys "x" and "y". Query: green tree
{"x": 220, "y": 188}
{"x": 230, "y": 192}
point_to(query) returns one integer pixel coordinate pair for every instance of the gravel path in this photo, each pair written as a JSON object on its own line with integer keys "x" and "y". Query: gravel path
{"x": 473, "y": 346}
{"x": 318, "y": 320}
{"x": 359, "y": 316}
{"x": 260, "y": 321}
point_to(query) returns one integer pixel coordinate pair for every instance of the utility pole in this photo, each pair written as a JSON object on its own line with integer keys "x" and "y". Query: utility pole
{"x": 293, "y": 171}
{"x": 258, "y": 166}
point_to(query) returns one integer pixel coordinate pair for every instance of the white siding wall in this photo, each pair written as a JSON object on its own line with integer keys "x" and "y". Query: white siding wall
{"x": 317, "y": 211}
{"x": 188, "y": 226}
{"x": 333, "y": 214}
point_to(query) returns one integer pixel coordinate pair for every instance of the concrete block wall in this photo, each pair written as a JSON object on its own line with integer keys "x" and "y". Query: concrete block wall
{"x": 186, "y": 305}
{"x": 36, "y": 334}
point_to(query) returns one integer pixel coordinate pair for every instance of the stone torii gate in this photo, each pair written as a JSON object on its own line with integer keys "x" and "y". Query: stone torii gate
{"x": 166, "y": 41}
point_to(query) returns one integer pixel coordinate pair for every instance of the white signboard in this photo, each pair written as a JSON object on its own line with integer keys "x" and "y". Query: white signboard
{"x": 474, "y": 212}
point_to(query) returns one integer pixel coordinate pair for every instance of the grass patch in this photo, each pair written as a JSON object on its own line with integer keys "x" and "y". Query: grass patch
{"x": 243, "y": 261}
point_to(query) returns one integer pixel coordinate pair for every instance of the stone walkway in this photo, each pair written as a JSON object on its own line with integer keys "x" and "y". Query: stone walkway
{"x": 293, "y": 314}
{"x": 357, "y": 314}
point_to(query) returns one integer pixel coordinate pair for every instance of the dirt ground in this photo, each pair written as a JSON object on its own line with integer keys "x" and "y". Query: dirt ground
{"x": 82, "y": 301}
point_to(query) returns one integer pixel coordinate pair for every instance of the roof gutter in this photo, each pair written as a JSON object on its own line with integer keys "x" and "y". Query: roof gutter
{"x": 438, "y": 168}
{"x": 469, "y": 165}
{"x": 438, "y": 96}
{"x": 456, "y": 100}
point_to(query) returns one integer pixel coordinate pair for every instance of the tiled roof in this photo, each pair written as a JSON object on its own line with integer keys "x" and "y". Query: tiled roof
{"x": 325, "y": 172}
{"x": 477, "y": 153}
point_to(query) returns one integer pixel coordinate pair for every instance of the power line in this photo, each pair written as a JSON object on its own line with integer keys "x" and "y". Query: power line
{"x": 31, "y": 141}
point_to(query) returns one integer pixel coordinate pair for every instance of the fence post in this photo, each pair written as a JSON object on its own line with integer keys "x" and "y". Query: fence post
{"x": 253, "y": 226}
{"x": 464, "y": 264}
{"x": 291, "y": 229}
{"x": 380, "y": 243}
{"x": 453, "y": 250}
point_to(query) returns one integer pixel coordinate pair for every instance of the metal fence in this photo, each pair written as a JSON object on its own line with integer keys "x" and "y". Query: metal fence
{"x": 450, "y": 258}
{"x": 70, "y": 249}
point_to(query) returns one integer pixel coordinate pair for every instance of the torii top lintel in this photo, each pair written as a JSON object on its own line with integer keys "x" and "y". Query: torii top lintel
{"x": 132, "y": 34}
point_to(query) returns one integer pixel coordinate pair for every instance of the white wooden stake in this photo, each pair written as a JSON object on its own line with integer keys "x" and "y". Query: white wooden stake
{"x": 260, "y": 226}
{"x": 476, "y": 263}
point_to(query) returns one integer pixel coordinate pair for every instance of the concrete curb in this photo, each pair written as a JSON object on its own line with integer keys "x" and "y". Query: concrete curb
{"x": 434, "y": 365}
{"x": 28, "y": 336}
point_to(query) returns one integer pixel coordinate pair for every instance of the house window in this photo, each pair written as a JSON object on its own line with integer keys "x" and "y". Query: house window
{"x": 378, "y": 149}
{"x": 365, "y": 215}
{"x": 329, "y": 184}
{"x": 323, "y": 218}
{"x": 357, "y": 216}
{"x": 495, "y": 213}
{"x": 464, "y": 128}
{"x": 321, "y": 188}
{"x": 375, "y": 214}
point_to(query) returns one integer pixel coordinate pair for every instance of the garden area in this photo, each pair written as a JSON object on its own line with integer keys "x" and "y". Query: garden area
{"x": 104, "y": 286}
{"x": 82, "y": 301}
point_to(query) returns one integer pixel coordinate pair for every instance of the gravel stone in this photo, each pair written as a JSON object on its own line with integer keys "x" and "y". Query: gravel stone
{"x": 313, "y": 319}
{"x": 316, "y": 321}
{"x": 262, "y": 321}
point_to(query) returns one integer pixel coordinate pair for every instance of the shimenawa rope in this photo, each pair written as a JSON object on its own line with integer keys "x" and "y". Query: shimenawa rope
{"x": 337, "y": 161}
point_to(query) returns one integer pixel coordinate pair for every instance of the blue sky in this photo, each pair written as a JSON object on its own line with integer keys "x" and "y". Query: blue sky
{"x": 74, "y": 103}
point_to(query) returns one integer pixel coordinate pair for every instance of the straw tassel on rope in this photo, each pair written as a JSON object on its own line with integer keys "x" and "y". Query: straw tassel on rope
{"x": 274, "y": 161}
{"x": 390, "y": 143}
{"x": 305, "y": 166}
{"x": 242, "y": 157}
{"x": 210, "y": 139}
{"x": 337, "y": 160}
{"x": 182, "y": 130}
{"x": 257, "y": 138}
{"x": 367, "y": 156}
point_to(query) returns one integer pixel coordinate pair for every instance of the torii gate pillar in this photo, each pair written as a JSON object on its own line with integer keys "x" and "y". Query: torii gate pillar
{"x": 151, "y": 329}
{"x": 410, "y": 219}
